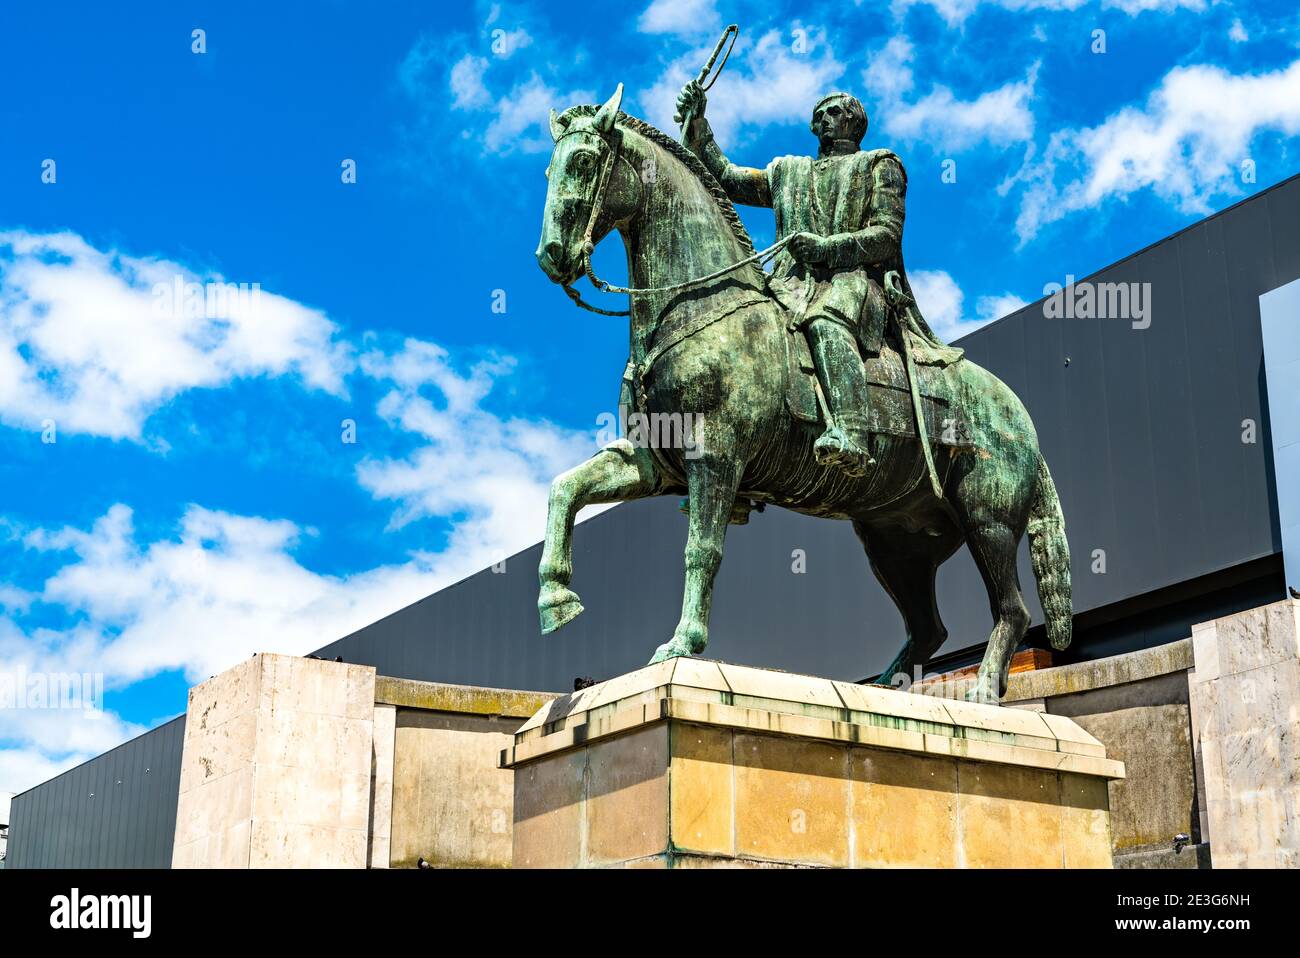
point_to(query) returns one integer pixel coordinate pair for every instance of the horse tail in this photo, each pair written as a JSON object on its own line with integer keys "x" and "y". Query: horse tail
{"x": 1049, "y": 554}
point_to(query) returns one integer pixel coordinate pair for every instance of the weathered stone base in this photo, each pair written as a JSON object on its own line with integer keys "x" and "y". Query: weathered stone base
{"x": 302, "y": 763}
{"x": 692, "y": 763}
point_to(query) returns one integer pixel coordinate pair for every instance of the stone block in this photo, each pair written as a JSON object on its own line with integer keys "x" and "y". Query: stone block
{"x": 703, "y": 790}
{"x": 627, "y": 796}
{"x": 1085, "y": 823}
{"x": 1009, "y": 817}
{"x": 657, "y": 772}
{"x": 1156, "y": 799}
{"x": 791, "y": 800}
{"x": 452, "y": 806}
{"x": 904, "y": 810}
{"x": 550, "y": 817}
{"x": 276, "y": 767}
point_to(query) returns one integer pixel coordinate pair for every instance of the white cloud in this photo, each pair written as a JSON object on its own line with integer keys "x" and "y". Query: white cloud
{"x": 1134, "y": 7}
{"x": 45, "y": 742}
{"x": 956, "y": 12}
{"x": 989, "y": 308}
{"x": 491, "y": 472}
{"x": 416, "y": 71}
{"x": 888, "y": 76}
{"x": 940, "y": 300}
{"x": 521, "y": 117}
{"x": 999, "y": 117}
{"x": 95, "y": 341}
{"x": 467, "y": 88}
{"x": 942, "y": 303}
{"x": 1237, "y": 32}
{"x": 764, "y": 84}
{"x": 678, "y": 16}
{"x": 1186, "y": 144}
{"x": 221, "y": 588}
{"x": 506, "y": 118}
{"x": 506, "y": 110}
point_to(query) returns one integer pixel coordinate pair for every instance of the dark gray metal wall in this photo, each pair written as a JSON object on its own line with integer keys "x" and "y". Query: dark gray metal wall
{"x": 115, "y": 811}
{"x": 1142, "y": 430}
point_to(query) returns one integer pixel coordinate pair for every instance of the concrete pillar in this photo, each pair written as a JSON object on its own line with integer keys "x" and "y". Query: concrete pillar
{"x": 1245, "y": 693}
{"x": 276, "y": 770}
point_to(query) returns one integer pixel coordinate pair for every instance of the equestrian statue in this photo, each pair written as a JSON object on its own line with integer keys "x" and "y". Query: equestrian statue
{"x": 816, "y": 385}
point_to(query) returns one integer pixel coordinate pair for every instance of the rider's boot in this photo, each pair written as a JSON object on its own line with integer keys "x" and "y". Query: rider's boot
{"x": 845, "y": 443}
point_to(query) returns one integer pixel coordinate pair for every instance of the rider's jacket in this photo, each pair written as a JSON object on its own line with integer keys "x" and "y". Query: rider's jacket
{"x": 857, "y": 203}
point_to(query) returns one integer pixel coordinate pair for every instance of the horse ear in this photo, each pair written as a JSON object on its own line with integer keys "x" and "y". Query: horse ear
{"x": 557, "y": 126}
{"x": 607, "y": 114}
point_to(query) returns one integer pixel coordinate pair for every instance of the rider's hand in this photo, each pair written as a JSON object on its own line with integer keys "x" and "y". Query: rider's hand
{"x": 807, "y": 248}
{"x": 690, "y": 101}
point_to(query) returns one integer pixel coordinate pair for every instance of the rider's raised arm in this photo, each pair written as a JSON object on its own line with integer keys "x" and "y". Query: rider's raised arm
{"x": 881, "y": 240}
{"x": 743, "y": 184}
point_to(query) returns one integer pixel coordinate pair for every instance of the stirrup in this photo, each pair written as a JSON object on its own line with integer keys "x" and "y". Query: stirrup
{"x": 836, "y": 448}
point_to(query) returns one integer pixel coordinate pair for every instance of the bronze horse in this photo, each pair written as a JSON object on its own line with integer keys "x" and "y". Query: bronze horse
{"x": 718, "y": 352}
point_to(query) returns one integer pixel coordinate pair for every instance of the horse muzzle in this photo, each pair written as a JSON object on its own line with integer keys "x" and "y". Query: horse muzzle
{"x": 551, "y": 258}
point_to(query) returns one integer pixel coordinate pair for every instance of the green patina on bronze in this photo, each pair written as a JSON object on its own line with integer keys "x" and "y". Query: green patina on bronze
{"x": 815, "y": 386}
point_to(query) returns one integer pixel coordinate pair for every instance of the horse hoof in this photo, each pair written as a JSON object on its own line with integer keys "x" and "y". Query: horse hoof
{"x": 669, "y": 650}
{"x": 562, "y": 609}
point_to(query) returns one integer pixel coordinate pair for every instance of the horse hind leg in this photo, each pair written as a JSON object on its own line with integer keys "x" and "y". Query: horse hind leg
{"x": 993, "y": 545}
{"x": 618, "y": 473}
{"x": 905, "y": 564}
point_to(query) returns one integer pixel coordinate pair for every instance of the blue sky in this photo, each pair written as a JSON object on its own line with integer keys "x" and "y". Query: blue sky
{"x": 199, "y": 501}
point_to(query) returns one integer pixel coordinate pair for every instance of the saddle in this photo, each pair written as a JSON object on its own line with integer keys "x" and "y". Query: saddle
{"x": 891, "y": 412}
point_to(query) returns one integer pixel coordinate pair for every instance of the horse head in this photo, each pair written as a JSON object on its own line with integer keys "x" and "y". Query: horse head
{"x": 587, "y": 173}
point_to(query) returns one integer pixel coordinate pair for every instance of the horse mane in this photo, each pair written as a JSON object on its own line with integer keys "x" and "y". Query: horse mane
{"x": 687, "y": 159}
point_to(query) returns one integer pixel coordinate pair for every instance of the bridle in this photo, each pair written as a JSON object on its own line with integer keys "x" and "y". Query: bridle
{"x": 611, "y": 153}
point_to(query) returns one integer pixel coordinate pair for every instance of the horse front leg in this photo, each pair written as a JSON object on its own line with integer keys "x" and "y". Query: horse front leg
{"x": 619, "y": 472}
{"x": 712, "y": 482}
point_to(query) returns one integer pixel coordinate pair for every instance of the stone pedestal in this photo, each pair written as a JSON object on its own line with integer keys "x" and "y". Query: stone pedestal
{"x": 692, "y": 763}
{"x": 1245, "y": 693}
{"x": 276, "y": 767}
{"x": 303, "y": 763}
